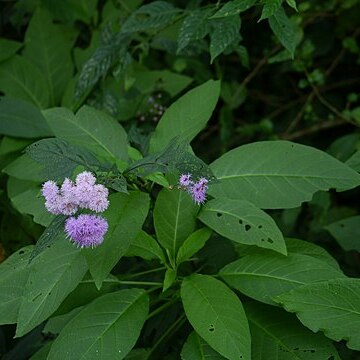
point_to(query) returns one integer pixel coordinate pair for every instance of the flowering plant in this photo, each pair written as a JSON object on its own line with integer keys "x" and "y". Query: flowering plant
{"x": 155, "y": 214}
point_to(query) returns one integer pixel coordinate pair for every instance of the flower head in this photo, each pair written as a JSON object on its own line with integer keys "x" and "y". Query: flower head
{"x": 86, "y": 230}
{"x": 198, "y": 192}
{"x": 98, "y": 200}
{"x": 185, "y": 180}
{"x": 52, "y": 196}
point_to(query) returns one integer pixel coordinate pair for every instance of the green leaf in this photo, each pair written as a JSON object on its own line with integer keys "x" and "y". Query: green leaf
{"x": 125, "y": 216}
{"x": 297, "y": 246}
{"x": 31, "y": 202}
{"x": 346, "y": 232}
{"x": 187, "y": 116}
{"x": 242, "y": 222}
{"x": 270, "y": 8}
{"x": 21, "y": 79}
{"x": 90, "y": 128}
{"x": 233, "y": 8}
{"x": 196, "y": 348}
{"x": 224, "y": 32}
{"x": 195, "y": 27}
{"x": 8, "y": 48}
{"x": 22, "y": 119}
{"x": 354, "y": 161}
{"x": 25, "y": 168}
{"x": 150, "y": 17}
{"x": 277, "y": 335}
{"x": 170, "y": 277}
{"x": 278, "y": 174}
{"x": 264, "y": 276}
{"x": 292, "y": 3}
{"x": 150, "y": 81}
{"x": 193, "y": 244}
{"x": 106, "y": 329}
{"x": 285, "y": 30}
{"x": 52, "y": 233}
{"x": 54, "y": 274}
{"x": 59, "y": 159}
{"x": 146, "y": 247}
{"x": 331, "y": 306}
{"x": 174, "y": 219}
{"x": 13, "y": 277}
{"x": 217, "y": 315}
{"x": 48, "y": 48}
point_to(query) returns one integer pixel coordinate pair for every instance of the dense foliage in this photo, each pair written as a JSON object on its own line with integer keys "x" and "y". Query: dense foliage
{"x": 256, "y": 102}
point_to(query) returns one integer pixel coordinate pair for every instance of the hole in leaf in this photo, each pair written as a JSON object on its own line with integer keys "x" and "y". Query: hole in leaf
{"x": 240, "y": 221}
{"x": 247, "y": 227}
{"x": 21, "y": 252}
{"x": 270, "y": 240}
{"x": 342, "y": 225}
{"x": 218, "y": 214}
{"x": 331, "y": 357}
{"x": 260, "y": 227}
{"x": 262, "y": 239}
{"x": 312, "y": 351}
{"x": 211, "y": 328}
{"x": 296, "y": 349}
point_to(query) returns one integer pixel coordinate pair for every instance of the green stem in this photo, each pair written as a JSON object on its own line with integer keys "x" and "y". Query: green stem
{"x": 161, "y": 308}
{"x": 130, "y": 276}
{"x": 144, "y": 283}
{"x": 172, "y": 329}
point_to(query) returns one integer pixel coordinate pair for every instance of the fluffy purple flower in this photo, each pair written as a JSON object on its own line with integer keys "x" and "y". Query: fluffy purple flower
{"x": 86, "y": 230}
{"x": 53, "y": 200}
{"x": 185, "y": 180}
{"x": 98, "y": 200}
{"x": 198, "y": 192}
{"x": 69, "y": 202}
{"x": 85, "y": 177}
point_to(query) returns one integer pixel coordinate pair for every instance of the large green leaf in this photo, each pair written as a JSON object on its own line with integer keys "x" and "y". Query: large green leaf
{"x": 91, "y": 129}
{"x": 241, "y": 221}
{"x": 25, "y": 168}
{"x": 354, "y": 161}
{"x": 263, "y": 276}
{"x": 125, "y": 216}
{"x": 187, "y": 116}
{"x": 217, "y": 315}
{"x": 106, "y": 329}
{"x": 48, "y": 48}
{"x": 277, "y": 335}
{"x": 196, "y": 348}
{"x": 234, "y": 7}
{"x": 21, "y": 79}
{"x": 346, "y": 232}
{"x": 22, "y": 119}
{"x": 224, "y": 32}
{"x": 278, "y": 174}
{"x": 331, "y": 306}
{"x": 53, "y": 275}
{"x": 174, "y": 219}
{"x": 13, "y": 277}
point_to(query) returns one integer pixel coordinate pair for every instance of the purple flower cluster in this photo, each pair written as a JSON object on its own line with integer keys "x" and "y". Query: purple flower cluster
{"x": 197, "y": 190}
{"x": 85, "y": 230}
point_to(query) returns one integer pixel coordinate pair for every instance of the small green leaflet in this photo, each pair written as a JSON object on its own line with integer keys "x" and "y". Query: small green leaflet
{"x": 234, "y": 7}
{"x": 8, "y": 48}
{"x": 150, "y": 17}
{"x": 287, "y": 31}
{"x": 224, "y": 32}
{"x": 321, "y": 305}
{"x": 270, "y": 8}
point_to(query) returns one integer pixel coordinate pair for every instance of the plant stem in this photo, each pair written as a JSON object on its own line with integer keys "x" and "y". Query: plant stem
{"x": 161, "y": 308}
{"x": 145, "y": 272}
{"x": 144, "y": 283}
